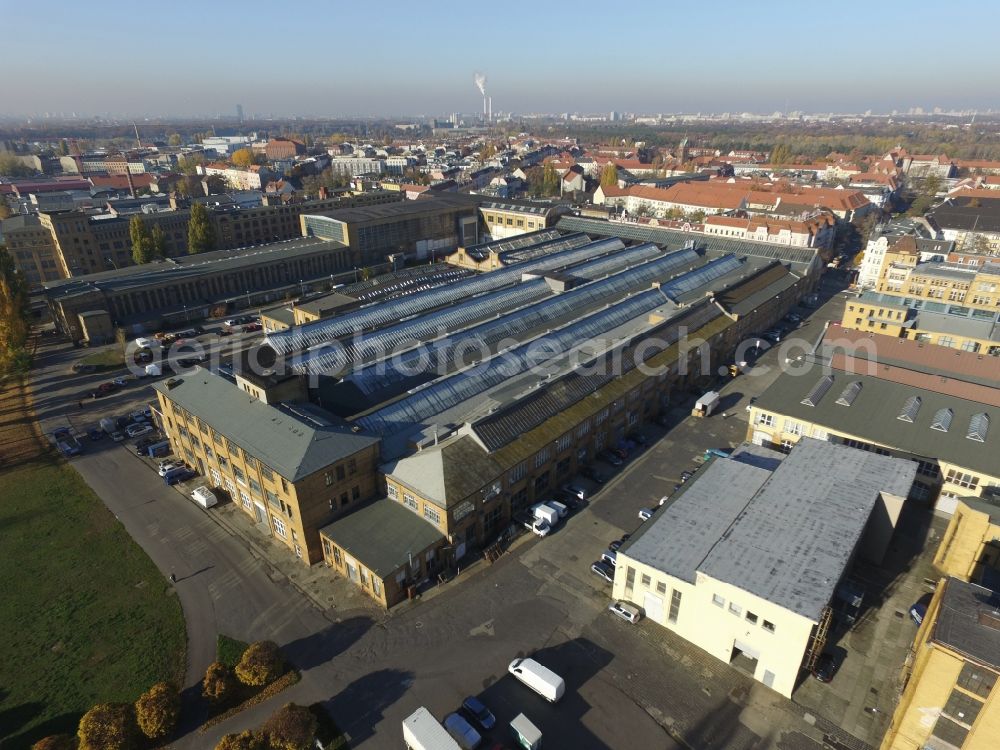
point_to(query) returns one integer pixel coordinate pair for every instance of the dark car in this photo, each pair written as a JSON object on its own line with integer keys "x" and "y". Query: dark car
{"x": 826, "y": 666}
{"x": 95, "y": 434}
{"x": 121, "y": 422}
{"x": 142, "y": 445}
{"x": 617, "y": 543}
{"x": 686, "y": 475}
{"x": 621, "y": 450}
{"x": 182, "y": 476}
{"x": 605, "y": 571}
{"x": 593, "y": 474}
{"x": 919, "y": 608}
{"x": 477, "y": 711}
{"x": 638, "y": 438}
{"x": 610, "y": 457}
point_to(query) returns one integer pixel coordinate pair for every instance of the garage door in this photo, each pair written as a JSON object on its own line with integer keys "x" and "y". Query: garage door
{"x": 653, "y": 605}
{"x": 747, "y": 649}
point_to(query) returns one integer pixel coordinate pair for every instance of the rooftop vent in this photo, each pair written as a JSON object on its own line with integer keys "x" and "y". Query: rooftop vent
{"x": 942, "y": 420}
{"x": 818, "y": 391}
{"x": 979, "y": 425}
{"x": 850, "y": 393}
{"x": 910, "y": 409}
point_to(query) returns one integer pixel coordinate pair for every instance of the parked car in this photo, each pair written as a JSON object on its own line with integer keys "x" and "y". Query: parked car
{"x": 610, "y": 458}
{"x": 95, "y": 434}
{"x": 462, "y": 732}
{"x": 617, "y": 543}
{"x": 793, "y": 318}
{"x": 686, "y": 475}
{"x": 603, "y": 570}
{"x": 252, "y": 327}
{"x": 919, "y": 608}
{"x": 135, "y": 430}
{"x": 476, "y": 710}
{"x": 593, "y": 474}
{"x": 772, "y": 335}
{"x": 575, "y": 490}
{"x": 167, "y": 465}
{"x": 751, "y": 402}
{"x": 121, "y": 422}
{"x": 628, "y": 612}
{"x": 645, "y": 514}
{"x": 118, "y": 436}
{"x": 826, "y": 666}
{"x": 176, "y": 476}
{"x": 122, "y": 380}
{"x": 638, "y": 438}
{"x": 610, "y": 557}
{"x": 143, "y": 445}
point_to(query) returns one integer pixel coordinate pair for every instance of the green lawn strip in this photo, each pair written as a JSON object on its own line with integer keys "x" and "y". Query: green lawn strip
{"x": 229, "y": 650}
{"x": 86, "y": 616}
{"x": 106, "y": 359}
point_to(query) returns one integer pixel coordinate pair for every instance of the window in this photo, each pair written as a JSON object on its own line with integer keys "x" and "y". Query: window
{"x": 238, "y": 473}
{"x": 962, "y": 708}
{"x": 431, "y": 514}
{"x": 765, "y": 420}
{"x": 646, "y": 580}
{"x": 629, "y": 578}
{"x": 376, "y": 586}
{"x": 661, "y": 588}
{"x": 279, "y": 527}
{"x": 541, "y": 457}
{"x": 328, "y": 478}
{"x": 266, "y": 473}
{"x": 962, "y": 479}
{"x": 768, "y": 626}
{"x": 352, "y": 467}
{"x": 675, "y": 606}
{"x": 792, "y": 427}
{"x": 564, "y": 443}
{"x": 517, "y": 473}
{"x": 392, "y": 491}
{"x": 355, "y": 492}
{"x": 409, "y": 501}
{"x": 976, "y": 680}
{"x": 751, "y": 618}
{"x": 340, "y": 473}
{"x": 255, "y": 486}
{"x": 718, "y": 601}
{"x": 273, "y": 500}
{"x": 243, "y": 495}
{"x": 735, "y": 609}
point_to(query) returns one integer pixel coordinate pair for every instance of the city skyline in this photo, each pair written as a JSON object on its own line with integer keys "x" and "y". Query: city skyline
{"x": 555, "y": 58}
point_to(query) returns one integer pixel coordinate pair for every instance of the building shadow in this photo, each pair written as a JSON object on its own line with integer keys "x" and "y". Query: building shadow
{"x": 577, "y": 661}
{"x": 360, "y": 706}
{"x": 720, "y": 727}
{"x": 322, "y": 646}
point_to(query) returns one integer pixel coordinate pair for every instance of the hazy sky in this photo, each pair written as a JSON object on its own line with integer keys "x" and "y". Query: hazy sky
{"x": 391, "y": 57}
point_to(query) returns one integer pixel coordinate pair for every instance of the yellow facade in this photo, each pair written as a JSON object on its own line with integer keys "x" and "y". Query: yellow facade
{"x": 943, "y": 691}
{"x": 720, "y": 619}
{"x": 969, "y": 544}
{"x": 889, "y": 320}
{"x": 903, "y": 275}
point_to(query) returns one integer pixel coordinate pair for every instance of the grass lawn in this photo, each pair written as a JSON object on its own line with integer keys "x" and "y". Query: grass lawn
{"x": 229, "y": 650}
{"x": 85, "y": 615}
{"x": 105, "y": 359}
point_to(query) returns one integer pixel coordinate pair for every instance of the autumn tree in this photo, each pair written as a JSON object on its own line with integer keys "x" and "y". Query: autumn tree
{"x": 550, "y": 180}
{"x": 291, "y": 727}
{"x": 174, "y": 140}
{"x": 142, "y": 240}
{"x": 260, "y": 664}
{"x": 55, "y": 742}
{"x": 4, "y": 210}
{"x": 14, "y": 314}
{"x": 108, "y": 726}
{"x": 243, "y": 158}
{"x": 11, "y": 166}
{"x": 781, "y": 154}
{"x": 189, "y": 164}
{"x": 609, "y": 175}
{"x": 247, "y": 740}
{"x": 218, "y": 683}
{"x": 157, "y": 710}
{"x": 201, "y": 233}
{"x": 158, "y": 243}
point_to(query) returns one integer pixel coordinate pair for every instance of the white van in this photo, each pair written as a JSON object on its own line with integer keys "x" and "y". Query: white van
{"x": 204, "y": 496}
{"x": 542, "y": 680}
{"x": 558, "y": 507}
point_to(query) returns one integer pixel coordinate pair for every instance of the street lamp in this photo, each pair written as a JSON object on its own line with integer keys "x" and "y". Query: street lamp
{"x": 248, "y": 298}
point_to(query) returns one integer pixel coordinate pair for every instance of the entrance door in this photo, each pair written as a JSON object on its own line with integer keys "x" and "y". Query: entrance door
{"x": 653, "y": 606}
{"x": 769, "y": 678}
{"x": 761, "y": 438}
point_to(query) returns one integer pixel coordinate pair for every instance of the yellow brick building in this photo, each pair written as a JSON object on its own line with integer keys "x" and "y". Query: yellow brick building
{"x": 950, "y": 699}
{"x": 970, "y": 547}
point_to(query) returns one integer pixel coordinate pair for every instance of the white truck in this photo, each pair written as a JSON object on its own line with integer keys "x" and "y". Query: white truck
{"x": 546, "y": 513}
{"x": 527, "y": 734}
{"x": 705, "y": 405}
{"x": 421, "y": 731}
{"x": 542, "y": 680}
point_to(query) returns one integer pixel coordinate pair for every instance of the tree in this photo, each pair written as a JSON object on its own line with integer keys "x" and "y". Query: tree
{"x": 291, "y": 727}
{"x": 243, "y": 158}
{"x": 189, "y": 164}
{"x": 55, "y": 742}
{"x": 201, "y": 233}
{"x": 781, "y": 154}
{"x": 218, "y": 683}
{"x": 158, "y": 243}
{"x": 157, "y": 710}
{"x": 63, "y": 147}
{"x": 609, "y": 175}
{"x": 108, "y": 726}
{"x": 932, "y": 184}
{"x": 4, "y": 210}
{"x": 244, "y": 741}
{"x": 698, "y": 216}
{"x": 260, "y": 664}
{"x": 981, "y": 244}
{"x": 11, "y": 166}
{"x": 174, "y": 140}
{"x": 550, "y": 180}
{"x": 142, "y": 240}
{"x": 216, "y": 184}
{"x": 14, "y": 314}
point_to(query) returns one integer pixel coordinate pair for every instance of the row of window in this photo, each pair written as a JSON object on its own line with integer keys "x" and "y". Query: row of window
{"x": 736, "y": 610}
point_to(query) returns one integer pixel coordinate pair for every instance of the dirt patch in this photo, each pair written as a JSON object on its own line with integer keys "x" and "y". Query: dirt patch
{"x": 20, "y": 438}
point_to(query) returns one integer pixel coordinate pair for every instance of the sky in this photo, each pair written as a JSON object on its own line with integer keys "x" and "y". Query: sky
{"x": 394, "y": 58}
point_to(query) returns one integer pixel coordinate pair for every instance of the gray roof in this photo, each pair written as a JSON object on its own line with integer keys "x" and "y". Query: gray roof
{"x": 873, "y": 416}
{"x": 969, "y": 621}
{"x": 951, "y": 271}
{"x": 186, "y": 267}
{"x": 982, "y": 218}
{"x": 294, "y": 445}
{"x": 382, "y": 535}
{"x": 786, "y": 536}
{"x": 446, "y": 473}
{"x": 402, "y": 210}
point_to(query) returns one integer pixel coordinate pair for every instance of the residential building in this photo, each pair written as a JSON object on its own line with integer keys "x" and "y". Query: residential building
{"x": 225, "y": 145}
{"x": 509, "y": 218}
{"x": 745, "y": 561}
{"x": 30, "y": 245}
{"x": 930, "y": 404}
{"x": 970, "y": 546}
{"x": 951, "y": 699}
{"x": 929, "y": 164}
{"x": 357, "y": 165}
{"x": 816, "y": 231}
{"x": 972, "y": 223}
{"x": 921, "y": 242}
{"x": 944, "y": 324}
{"x": 290, "y": 467}
{"x": 101, "y": 163}
{"x": 283, "y": 148}
{"x": 253, "y": 177}
{"x": 903, "y": 275}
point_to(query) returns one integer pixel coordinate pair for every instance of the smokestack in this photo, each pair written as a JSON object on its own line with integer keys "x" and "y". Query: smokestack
{"x": 480, "y": 81}
{"x": 489, "y": 113}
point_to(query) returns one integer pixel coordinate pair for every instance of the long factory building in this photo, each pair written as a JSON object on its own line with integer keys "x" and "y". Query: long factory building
{"x": 395, "y": 438}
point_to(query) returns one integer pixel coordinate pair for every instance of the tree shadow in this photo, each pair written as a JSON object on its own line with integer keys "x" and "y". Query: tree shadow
{"x": 13, "y": 719}
{"x": 322, "y": 646}
{"x": 359, "y": 707}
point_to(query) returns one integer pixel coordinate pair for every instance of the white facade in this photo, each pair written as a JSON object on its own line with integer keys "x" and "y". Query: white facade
{"x": 871, "y": 264}
{"x": 356, "y": 165}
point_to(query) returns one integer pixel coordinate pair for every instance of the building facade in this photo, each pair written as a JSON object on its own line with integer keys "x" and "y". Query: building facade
{"x": 30, "y": 245}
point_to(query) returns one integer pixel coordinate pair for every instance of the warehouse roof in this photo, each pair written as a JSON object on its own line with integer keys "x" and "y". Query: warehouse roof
{"x": 382, "y": 536}
{"x": 294, "y": 444}
{"x": 969, "y": 621}
{"x": 400, "y": 209}
{"x": 786, "y": 536}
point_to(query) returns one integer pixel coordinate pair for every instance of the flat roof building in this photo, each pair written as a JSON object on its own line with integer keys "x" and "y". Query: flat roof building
{"x": 745, "y": 560}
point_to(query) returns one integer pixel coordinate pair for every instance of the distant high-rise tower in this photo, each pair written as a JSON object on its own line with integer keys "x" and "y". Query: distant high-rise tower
{"x": 239, "y": 112}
